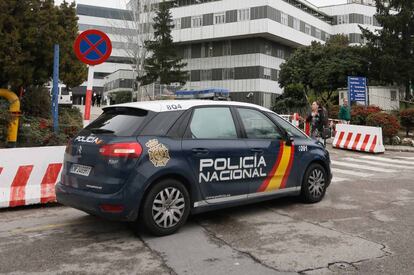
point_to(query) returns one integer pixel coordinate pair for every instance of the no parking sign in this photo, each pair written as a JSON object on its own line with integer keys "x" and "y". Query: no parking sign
{"x": 92, "y": 47}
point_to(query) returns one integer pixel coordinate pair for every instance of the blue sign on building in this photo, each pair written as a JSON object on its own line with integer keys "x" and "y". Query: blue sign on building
{"x": 357, "y": 89}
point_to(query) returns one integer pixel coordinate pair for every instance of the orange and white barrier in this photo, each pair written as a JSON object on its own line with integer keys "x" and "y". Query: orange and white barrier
{"x": 28, "y": 175}
{"x": 359, "y": 138}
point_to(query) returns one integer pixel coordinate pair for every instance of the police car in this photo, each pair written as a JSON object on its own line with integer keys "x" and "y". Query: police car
{"x": 154, "y": 163}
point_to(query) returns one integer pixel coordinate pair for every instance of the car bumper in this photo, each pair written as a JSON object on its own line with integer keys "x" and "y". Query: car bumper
{"x": 92, "y": 203}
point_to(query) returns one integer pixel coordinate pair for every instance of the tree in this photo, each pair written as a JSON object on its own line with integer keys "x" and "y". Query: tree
{"x": 322, "y": 69}
{"x": 292, "y": 100}
{"x": 72, "y": 72}
{"x": 28, "y": 31}
{"x": 392, "y": 48}
{"x": 164, "y": 64}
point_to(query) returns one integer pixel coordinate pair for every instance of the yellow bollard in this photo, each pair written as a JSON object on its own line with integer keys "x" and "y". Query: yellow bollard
{"x": 15, "y": 111}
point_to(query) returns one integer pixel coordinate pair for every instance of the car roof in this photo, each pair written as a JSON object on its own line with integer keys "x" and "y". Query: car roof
{"x": 168, "y": 105}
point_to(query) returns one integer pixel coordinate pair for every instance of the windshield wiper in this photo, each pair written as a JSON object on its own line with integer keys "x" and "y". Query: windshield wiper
{"x": 101, "y": 131}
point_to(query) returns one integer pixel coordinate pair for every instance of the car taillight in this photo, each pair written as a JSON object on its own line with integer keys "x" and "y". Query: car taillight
{"x": 121, "y": 150}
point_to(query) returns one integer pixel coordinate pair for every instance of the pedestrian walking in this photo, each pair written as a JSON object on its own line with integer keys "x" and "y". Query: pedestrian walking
{"x": 93, "y": 99}
{"x": 98, "y": 100}
{"x": 345, "y": 113}
{"x": 318, "y": 120}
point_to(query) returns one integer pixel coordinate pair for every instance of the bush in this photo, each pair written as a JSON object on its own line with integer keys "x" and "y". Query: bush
{"x": 5, "y": 118}
{"x": 36, "y": 131}
{"x": 387, "y": 122}
{"x": 122, "y": 97}
{"x": 359, "y": 114}
{"x": 407, "y": 119}
{"x": 36, "y": 102}
{"x": 333, "y": 111}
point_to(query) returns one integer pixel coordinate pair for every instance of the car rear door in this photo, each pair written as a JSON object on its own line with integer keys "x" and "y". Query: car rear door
{"x": 266, "y": 140}
{"x": 215, "y": 152}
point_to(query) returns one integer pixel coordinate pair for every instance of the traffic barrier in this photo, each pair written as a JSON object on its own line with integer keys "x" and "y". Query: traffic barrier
{"x": 359, "y": 138}
{"x": 28, "y": 175}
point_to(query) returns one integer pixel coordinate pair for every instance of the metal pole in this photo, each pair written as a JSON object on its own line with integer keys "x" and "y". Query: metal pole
{"x": 55, "y": 94}
{"x": 88, "y": 98}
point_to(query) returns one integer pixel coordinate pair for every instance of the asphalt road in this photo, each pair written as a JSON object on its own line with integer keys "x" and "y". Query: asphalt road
{"x": 363, "y": 226}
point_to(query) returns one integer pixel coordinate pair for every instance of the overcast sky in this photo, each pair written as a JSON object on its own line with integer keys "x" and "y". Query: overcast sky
{"x": 121, "y": 3}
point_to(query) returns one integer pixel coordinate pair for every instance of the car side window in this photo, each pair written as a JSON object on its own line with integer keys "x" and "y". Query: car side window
{"x": 292, "y": 130}
{"x": 212, "y": 123}
{"x": 257, "y": 125}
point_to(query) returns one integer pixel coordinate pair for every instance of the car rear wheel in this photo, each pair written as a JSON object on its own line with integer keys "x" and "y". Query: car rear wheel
{"x": 166, "y": 207}
{"x": 314, "y": 184}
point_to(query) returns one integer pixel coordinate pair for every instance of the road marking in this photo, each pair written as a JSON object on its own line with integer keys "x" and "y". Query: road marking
{"x": 363, "y": 167}
{"x": 409, "y": 158}
{"x": 350, "y": 172}
{"x": 338, "y": 179}
{"x": 379, "y": 163}
{"x": 387, "y": 160}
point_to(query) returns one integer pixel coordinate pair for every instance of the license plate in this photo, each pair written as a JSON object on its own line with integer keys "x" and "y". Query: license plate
{"x": 80, "y": 170}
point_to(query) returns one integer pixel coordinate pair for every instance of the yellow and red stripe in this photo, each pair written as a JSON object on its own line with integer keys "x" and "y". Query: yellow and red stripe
{"x": 280, "y": 172}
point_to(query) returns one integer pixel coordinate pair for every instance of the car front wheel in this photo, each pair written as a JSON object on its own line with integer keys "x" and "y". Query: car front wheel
{"x": 314, "y": 184}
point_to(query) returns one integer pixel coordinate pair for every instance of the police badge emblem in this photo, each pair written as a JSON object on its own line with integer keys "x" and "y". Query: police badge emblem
{"x": 158, "y": 153}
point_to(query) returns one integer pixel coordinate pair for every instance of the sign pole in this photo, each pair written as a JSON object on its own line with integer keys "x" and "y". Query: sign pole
{"x": 88, "y": 98}
{"x": 55, "y": 94}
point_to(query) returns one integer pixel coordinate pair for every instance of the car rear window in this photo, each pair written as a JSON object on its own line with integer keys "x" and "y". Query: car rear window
{"x": 118, "y": 121}
{"x": 161, "y": 123}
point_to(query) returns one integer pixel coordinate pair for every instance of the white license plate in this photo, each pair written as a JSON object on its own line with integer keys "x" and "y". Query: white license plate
{"x": 80, "y": 170}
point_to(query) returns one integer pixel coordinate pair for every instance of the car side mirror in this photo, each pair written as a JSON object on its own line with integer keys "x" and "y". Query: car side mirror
{"x": 289, "y": 139}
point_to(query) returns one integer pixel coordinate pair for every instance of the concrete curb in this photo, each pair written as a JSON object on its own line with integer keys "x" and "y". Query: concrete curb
{"x": 399, "y": 148}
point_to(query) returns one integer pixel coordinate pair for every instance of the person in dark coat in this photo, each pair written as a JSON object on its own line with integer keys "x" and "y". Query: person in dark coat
{"x": 317, "y": 119}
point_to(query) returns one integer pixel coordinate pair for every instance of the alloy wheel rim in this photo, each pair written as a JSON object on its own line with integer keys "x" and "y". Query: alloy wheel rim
{"x": 316, "y": 182}
{"x": 168, "y": 207}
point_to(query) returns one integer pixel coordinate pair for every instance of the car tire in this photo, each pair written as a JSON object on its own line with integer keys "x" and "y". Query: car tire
{"x": 314, "y": 184}
{"x": 165, "y": 208}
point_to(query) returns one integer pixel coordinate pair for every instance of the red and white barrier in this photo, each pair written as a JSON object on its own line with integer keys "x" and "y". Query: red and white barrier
{"x": 28, "y": 175}
{"x": 359, "y": 138}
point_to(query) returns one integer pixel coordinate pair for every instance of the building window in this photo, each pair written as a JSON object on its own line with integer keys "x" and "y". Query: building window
{"x": 393, "y": 95}
{"x": 177, "y": 24}
{"x": 227, "y": 48}
{"x": 228, "y": 73}
{"x": 284, "y": 18}
{"x": 187, "y": 52}
{"x": 318, "y": 33}
{"x": 267, "y": 73}
{"x": 243, "y": 15}
{"x": 367, "y": 20}
{"x": 268, "y": 49}
{"x": 343, "y": 19}
{"x": 308, "y": 29}
{"x": 197, "y": 21}
{"x": 296, "y": 24}
{"x": 206, "y": 75}
{"x": 219, "y": 18}
{"x": 280, "y": 53}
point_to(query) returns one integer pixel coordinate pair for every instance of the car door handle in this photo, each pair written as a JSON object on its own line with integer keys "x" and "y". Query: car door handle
{"x": 200, "y": 151}
{"x": 257, "y": 150}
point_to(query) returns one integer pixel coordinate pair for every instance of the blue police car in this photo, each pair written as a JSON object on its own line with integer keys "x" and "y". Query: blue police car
{"x": 154, "y": 163}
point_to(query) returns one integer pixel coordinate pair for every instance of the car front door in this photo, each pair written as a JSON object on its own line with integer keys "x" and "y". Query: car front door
{"x": 215, "y": 152}
{"x": 265, "y": 139}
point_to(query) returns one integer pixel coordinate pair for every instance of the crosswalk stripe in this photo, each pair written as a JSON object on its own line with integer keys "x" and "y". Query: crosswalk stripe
{"x": 388, "y": 160}
{"x": 362, "y": 167}
{"x": 350, "y": 172}
{"x": 409, "y": 158}
{"x": 338, "y": 179}
{"x": 379, "y": 163}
